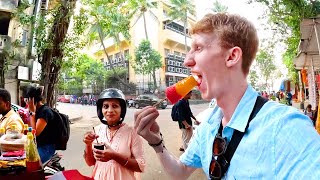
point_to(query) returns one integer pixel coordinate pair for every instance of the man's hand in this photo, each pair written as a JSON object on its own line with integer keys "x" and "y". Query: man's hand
{"x": 146, "y": 125}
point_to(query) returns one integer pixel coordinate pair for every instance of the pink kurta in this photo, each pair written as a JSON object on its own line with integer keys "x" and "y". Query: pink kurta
{"x": 127, "y": 142}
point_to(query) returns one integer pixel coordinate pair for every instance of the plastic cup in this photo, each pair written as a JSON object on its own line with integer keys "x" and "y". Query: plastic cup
{"x": 99, "y": 146}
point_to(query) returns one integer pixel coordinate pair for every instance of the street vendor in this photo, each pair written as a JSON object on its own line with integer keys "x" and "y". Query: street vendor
{"x": 9, "y": 116}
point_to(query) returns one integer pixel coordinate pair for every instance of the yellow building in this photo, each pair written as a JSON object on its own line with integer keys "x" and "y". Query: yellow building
{"x": 166, "y": 36}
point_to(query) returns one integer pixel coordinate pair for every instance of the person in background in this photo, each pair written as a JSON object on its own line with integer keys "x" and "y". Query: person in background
{"x": 289, "y": 98}
{"x": 9, "y": 116}
{"x": 278, "y": 142}
{"x": 315, "y": 116}
{"x": 122, "y": 157}
{"x": 308, "y": 111}
{"x": 184, "y": 120}
{"x": 42, "y": 120}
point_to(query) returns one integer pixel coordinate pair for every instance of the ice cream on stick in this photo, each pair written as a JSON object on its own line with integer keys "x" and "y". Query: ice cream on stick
{"x": 177, "y": 91}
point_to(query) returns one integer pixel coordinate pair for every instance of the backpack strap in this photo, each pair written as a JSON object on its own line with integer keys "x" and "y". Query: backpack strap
{"x": 237, "y": 135}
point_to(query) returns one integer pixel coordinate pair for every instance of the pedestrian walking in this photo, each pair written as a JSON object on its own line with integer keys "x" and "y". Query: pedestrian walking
{"x": 184, "y": 115}
{"x": 245, "y": 136}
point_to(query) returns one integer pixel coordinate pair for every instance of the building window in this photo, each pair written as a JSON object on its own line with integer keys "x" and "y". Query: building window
{"x": 117, "y": 55}
{"x": 166, "y": 51}
{"x": 177, "y": 53}
{"x": 24, "y": 38}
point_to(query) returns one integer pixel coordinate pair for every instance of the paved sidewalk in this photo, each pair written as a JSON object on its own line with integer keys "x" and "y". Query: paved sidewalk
{"x": 75, "y": 114}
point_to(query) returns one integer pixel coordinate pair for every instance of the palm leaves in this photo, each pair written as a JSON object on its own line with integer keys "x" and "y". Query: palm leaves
{"x": 139, "y": 8}
{"x": 109, "y": 19}
{"x": 179, "y": 11}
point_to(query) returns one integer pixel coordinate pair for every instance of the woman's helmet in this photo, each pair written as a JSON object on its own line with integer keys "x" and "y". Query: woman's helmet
{"x": 111, "y": 93}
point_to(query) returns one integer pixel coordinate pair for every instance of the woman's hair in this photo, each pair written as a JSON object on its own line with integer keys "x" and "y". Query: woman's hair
{"x": 232, "y": 30}
{"x": 309, "y": 106}
{"x": 34, "y": 91}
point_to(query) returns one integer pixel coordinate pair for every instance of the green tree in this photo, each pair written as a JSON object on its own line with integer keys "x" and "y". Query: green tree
{"x": 218, "y": 7}
{"x": 265, "y": 63}
{"x": 253, "y": 77}
{"x": 179, "y": 11}
{"x": 51, "y": 31}
{"x": 89, "y": 72}
{"x": 285, "y": 17}
{"x": 147, "y": 60}
{"x": 109, "y": 19}
{"x": 139, "y": 9}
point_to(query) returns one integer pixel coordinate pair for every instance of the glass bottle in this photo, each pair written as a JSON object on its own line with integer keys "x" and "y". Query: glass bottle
{"x": 33, "y": 161}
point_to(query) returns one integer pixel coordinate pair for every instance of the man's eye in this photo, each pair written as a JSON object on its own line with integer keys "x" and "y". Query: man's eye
{"x": 198, "y": 48}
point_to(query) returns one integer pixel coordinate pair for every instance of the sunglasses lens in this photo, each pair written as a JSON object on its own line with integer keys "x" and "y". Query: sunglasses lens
{"x": 218, "y": 146}
{"x": 215, "y": 169}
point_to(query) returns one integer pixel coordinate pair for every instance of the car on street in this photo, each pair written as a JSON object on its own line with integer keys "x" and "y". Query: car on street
{"x": 149, "y": 100}
{"x": 64, "y": 98}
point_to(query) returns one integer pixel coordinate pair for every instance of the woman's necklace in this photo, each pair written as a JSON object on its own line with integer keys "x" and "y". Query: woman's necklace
{"x": 112, "y": 135}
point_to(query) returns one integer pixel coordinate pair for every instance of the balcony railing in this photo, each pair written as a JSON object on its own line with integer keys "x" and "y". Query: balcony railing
{"x": 5, "y": 42}
{"x": 8, "y": 5}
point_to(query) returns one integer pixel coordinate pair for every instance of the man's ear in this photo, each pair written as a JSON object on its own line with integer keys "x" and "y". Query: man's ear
{"x": 234, "y": 56}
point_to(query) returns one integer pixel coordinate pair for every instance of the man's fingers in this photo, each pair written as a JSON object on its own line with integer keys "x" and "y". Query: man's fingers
{"x": 147, "y": 121}
{"x": 141, "y": 113}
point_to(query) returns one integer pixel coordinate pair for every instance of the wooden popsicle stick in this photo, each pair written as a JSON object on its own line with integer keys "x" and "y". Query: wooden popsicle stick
{"x": 156, "y": 104}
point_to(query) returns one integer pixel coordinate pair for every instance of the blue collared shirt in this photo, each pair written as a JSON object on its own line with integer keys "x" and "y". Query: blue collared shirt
{"x": 280, "y": 143}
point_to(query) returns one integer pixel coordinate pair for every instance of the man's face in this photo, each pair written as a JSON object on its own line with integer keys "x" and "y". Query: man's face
{"x": 207, "y": 61}
{"x": 4, "y": 106}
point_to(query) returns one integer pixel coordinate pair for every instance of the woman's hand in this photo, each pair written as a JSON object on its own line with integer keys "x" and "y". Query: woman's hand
{"x": 31, "y": 105}
{"x": 104, "y": 155}
{"x": 89, "y": 137}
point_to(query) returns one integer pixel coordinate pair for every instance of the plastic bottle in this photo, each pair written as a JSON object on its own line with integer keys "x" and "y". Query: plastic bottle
{"x": 2, "y": 131}
{"x": 33, "y": 161}
{"x": 25, "y": 129}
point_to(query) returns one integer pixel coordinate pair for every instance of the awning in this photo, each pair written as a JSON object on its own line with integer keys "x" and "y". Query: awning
{"x": 309, "y": 46}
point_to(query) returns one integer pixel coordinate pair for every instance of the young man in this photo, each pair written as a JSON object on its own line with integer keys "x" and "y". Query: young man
{"x": 42, "y": 120}
{"x": 9, "y": 117}
{"x": 280, "y": 142}
{"x": 184, "y": 120}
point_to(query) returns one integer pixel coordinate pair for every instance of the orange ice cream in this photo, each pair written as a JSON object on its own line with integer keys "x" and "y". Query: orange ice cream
{"x": 177, "y": 91}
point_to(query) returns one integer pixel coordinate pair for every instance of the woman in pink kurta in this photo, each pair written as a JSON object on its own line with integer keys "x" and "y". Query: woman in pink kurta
{"x": 122, "y": 157}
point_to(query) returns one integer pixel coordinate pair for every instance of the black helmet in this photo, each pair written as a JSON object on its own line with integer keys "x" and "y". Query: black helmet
{"x": 111, "y": 93}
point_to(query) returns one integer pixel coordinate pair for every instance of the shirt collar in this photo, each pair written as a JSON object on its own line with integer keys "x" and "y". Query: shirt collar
{"x": 242, "y": 113}
{"x": 9, "y": 113}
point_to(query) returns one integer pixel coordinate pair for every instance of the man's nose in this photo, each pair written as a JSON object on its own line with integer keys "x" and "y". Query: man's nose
{"x": 189, "y": 60}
